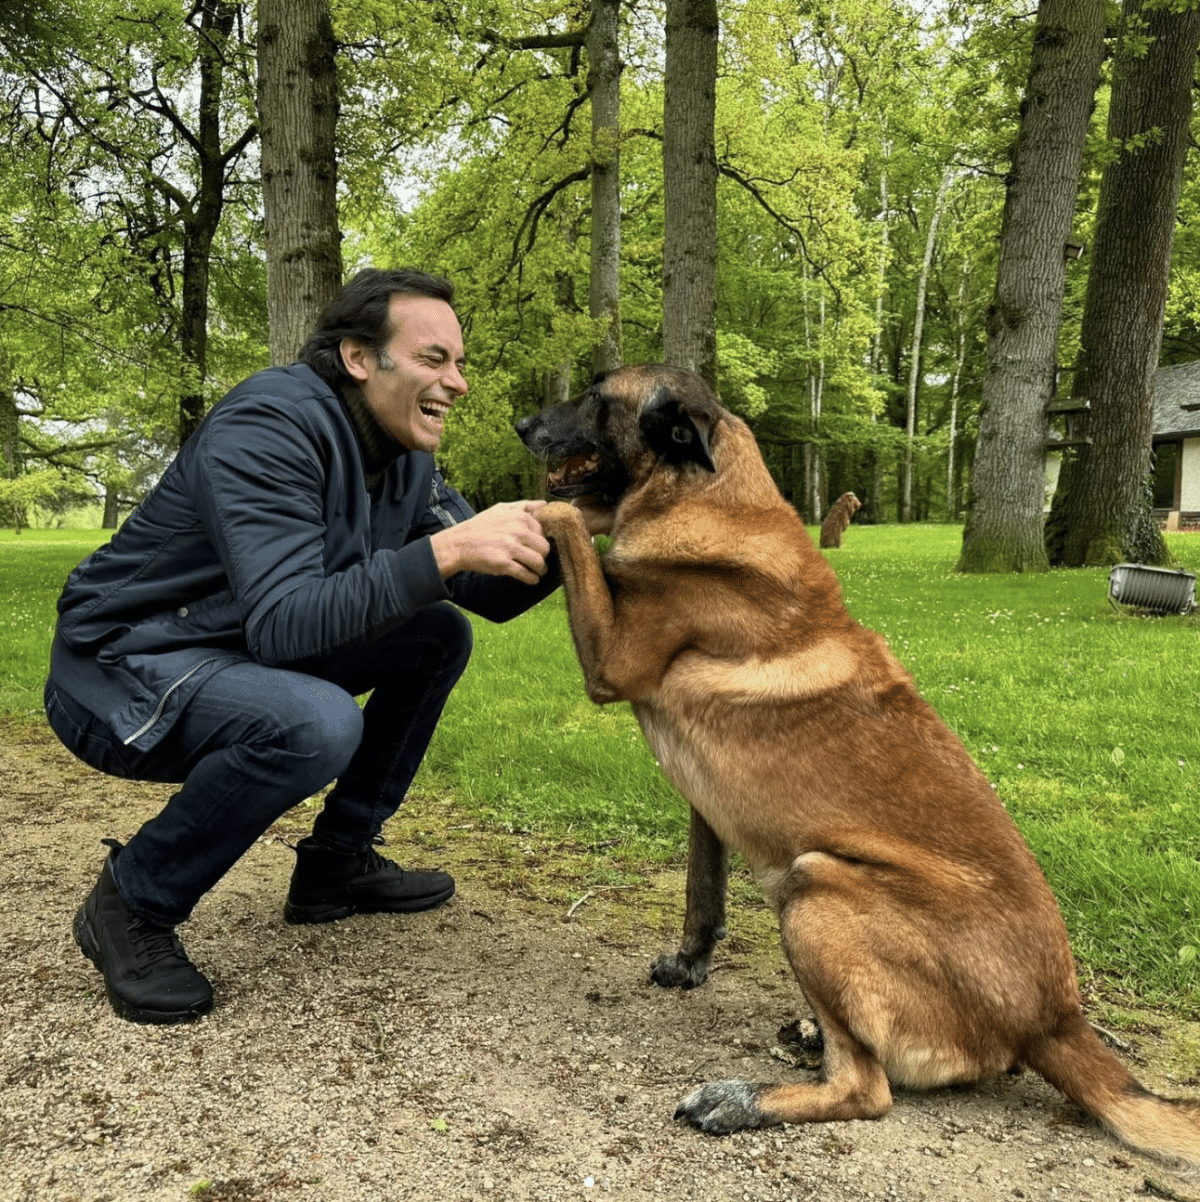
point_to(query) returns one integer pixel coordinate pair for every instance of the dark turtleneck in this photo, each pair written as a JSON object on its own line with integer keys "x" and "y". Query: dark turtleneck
{"x": 379, "y": 449}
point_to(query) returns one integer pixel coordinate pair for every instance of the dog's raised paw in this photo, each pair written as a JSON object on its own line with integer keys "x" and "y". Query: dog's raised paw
{"x": 721, "y": 1107}
{"x": 674, "y": 970}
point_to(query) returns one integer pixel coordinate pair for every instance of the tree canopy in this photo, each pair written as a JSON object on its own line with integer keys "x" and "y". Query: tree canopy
{"x": 861, "y": 152}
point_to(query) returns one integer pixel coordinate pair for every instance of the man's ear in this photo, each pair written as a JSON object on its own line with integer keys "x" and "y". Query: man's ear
{"x": 675, "y": 433}
{"x": 354, "y": 356}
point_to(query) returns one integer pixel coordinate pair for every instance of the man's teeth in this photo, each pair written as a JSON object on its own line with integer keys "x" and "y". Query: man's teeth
{"x": 435, "y": 410}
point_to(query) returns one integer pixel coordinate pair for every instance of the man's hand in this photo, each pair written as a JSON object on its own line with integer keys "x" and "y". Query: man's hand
{"x": 505, "y": 540}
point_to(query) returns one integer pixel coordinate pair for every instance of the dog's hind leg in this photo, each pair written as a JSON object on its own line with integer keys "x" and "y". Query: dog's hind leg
{"x": 704, "y": 920}
{"x": 870, "y": 977}
{"x": 853, "y": 1085}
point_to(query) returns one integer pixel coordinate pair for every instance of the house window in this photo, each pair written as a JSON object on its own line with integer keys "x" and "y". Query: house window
{"x": 1166, "y": 455}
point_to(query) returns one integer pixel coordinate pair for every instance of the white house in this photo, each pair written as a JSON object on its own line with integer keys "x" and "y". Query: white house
{"x": 1177, "y": 442}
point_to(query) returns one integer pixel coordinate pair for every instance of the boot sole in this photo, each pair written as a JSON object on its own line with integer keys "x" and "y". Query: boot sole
{"x": 299, "y": 915}
{"x": 123, "y": 1009}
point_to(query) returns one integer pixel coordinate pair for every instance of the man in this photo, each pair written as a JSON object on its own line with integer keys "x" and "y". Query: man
{"x": 299, "y": 551}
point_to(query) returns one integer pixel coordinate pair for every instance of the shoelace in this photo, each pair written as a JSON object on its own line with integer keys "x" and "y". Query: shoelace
{"x": 156, "y": 943}
{"x": 374, "y": 862}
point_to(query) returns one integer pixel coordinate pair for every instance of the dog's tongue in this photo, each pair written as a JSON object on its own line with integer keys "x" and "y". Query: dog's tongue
{"x": 574, "y": 468}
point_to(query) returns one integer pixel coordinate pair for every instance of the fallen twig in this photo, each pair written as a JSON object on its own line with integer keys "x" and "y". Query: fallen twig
{"x": 1154, "y": 1187}
{"x": 579, "y": 901}
{"x": 1112, "y": 1039}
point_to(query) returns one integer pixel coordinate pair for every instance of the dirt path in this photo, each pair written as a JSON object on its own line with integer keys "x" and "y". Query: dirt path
{"x": 496, "y": 1049}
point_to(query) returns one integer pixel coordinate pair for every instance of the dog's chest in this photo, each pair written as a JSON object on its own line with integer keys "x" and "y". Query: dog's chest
{"x": 675, "y": 753}
{"x": 690, "y": 763}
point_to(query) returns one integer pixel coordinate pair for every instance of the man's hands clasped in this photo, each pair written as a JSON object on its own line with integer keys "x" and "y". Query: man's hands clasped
{"x": 505, "y": 540}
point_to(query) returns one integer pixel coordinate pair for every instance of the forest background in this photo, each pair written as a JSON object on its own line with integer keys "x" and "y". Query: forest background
{"x": 862, "y": 154}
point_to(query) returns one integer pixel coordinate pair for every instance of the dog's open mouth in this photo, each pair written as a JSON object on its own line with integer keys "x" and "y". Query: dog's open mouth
{"x": 572, "y": 477}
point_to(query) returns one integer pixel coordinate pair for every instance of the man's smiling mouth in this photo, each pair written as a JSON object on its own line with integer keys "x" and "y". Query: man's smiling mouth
{"x": 436, "y": 410}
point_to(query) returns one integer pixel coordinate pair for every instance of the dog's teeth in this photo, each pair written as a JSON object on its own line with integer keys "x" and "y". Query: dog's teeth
{"x": 575, "y": 468}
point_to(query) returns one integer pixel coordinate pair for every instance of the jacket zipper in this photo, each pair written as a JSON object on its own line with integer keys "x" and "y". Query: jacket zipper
{"x": 154, "y": 717}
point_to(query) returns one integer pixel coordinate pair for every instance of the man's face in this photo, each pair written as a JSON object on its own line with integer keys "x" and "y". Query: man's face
{"x": 418, "y": 375}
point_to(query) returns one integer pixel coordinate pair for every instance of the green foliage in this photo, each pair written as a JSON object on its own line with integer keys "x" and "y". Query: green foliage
{"x": 99, "y": 187}
{"x": 465, "y": 146}
{"x": 1144, "y": 542}
{"x": 42, "y": 488}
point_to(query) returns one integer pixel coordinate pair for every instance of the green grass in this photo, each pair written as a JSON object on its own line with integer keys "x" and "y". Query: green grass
{"x": 1087, "y": 722}
{"x": 33, "y": 566}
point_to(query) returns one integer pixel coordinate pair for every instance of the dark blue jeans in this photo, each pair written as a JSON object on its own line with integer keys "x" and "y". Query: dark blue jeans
{"x": 255, "y": 741}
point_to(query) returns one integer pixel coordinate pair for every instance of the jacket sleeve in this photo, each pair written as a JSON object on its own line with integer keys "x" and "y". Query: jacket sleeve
{"x": 497, "y": 598}
{"x": 262, "y": 478}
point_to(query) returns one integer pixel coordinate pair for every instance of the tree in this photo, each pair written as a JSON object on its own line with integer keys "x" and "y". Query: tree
{"x": 297, "y": 112}
{"x": 141, "y": 111}
{"x": 690, "y": 187}
{"x": 914, "y": 365}
{"x": 1100, "y": 513}
{"x": 604, "y": 88}
{"x": 1004, "y": 530}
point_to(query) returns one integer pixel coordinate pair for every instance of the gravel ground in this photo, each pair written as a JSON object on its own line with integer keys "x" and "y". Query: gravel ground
{"x": 503, "y": 1047}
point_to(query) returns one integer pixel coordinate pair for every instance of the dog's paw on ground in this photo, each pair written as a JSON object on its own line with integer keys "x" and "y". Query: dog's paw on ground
{"x": 674, "y": 970}
{"x": 722, "y": 1107}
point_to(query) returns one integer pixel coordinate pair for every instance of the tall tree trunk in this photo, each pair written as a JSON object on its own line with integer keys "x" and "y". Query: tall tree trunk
{"x": 297, "y": 113}
{"x": 1099, "y": 505}
{"x": 112, "y": 508}
{"x": 690, "y": 187}
{"x": 871, "y": 510}
{"x": 1005, "y": 515}
{"x": 203, "y": 215}
{"x": 556, "y": 384}
{"x": 960, "y": 357}
{"x": 914, "y": 368}
{"x": 814, "y": 466}
{"x": 604, "y": 87}
{"x": 12, "y": 460}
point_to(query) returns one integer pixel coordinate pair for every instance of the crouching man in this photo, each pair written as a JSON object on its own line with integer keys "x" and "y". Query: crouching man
{"x": 299, "y": 551}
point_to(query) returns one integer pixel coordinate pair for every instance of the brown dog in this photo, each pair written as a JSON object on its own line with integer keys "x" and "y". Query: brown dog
{"x": 919, "y": 927}
{"x": 838, "y": 518}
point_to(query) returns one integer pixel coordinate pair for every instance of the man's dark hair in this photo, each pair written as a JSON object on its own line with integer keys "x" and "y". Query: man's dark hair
{"x": 360, "y": 311}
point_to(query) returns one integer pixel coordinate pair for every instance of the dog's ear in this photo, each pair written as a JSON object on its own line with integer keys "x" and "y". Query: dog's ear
{"x": 675, "y": 432}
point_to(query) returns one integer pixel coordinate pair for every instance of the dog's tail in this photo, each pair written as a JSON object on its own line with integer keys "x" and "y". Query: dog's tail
{"x": 1078, "y": 1063}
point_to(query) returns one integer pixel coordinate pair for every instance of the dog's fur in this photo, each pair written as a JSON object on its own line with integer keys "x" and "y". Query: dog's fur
{"x": 918, "y": 924}
{"x": 838, "y": 518}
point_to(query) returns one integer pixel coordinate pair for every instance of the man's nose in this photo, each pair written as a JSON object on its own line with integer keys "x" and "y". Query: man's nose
{"x": 455, "y": 381}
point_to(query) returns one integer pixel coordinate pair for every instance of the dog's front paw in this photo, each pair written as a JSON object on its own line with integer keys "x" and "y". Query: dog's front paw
{"x": 674, "y": 970}
{"x": 558, "y": 516}
{"x": 720, "y": 1107}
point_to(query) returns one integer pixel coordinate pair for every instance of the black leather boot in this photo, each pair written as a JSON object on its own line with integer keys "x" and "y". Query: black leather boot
{"x": 328, "y": 885}
{"x": 147, "y": 974}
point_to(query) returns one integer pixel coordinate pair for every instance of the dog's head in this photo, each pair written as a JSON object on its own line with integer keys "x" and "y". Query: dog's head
{"x": 630, "y": 421}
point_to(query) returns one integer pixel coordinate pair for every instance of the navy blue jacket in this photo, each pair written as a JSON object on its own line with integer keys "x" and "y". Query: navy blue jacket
{"x": 261, "y": 541}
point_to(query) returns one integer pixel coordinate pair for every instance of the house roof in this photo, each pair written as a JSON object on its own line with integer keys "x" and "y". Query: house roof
{"x": 1177, "y": 400}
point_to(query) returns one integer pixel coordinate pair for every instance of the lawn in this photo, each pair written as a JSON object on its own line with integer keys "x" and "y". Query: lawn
{"x": 1084, "y": 719}
{"x": 33, "y": 566}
